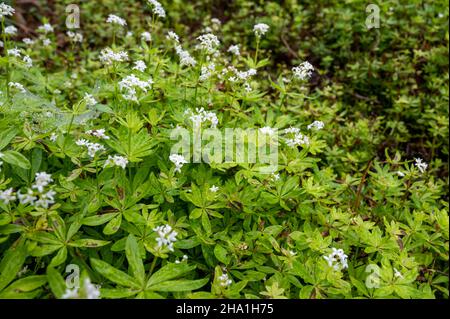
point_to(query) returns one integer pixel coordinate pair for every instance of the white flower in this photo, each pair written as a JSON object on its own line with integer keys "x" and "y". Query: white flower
{"x": 200, "y": 116}
{"x": 234, "y": 49}
{"x": 337, "y": 259}
{"x": 53, "y": 137}
{"x": 17, "y": 86}
{"x": 116, "y": 160}
{"x": 14, "y": 52}
{"x": 11, "y": 30}
{"x": 92, "y": 148}
{"x": 214, "y": 189}
{"x": 129, "y": 85}
{"x": 397, "y": 273}
{"x": 166, "y": 237}
{"x": 303, "y": 71}
{"x": 45, "y": 28}
{"x": 88, "y": 291}
{"x": 318, "y": 125}
{"x": 400, "y": 173}
{"x": 267, "y": 130}
{"x": 41, "y": 180}
{"x": 46, "y": 42}
{"x": 7, "y": 196}
{"x": 6, "y": 10}
{"x": 421, "y": 165}
{"x": 27, "y": 198}
{"x": 108, "y": 56}
{"x": 275, "y": 177}
{"x": 46, "y": 199}
{"x": 100, "y": 133}
{"x": 28, "y": 62}
{"x": 113, "y": 19}
{"x": 75, "y": 36}
{"x": 208, "y": 42}
{"x": 140, "y": 66}
{"x": 298, "y": 139}
{"x": 207, "y": 71}
{"x": 225, "y": 280}
{"x": 185, "y": 58}
{"x": 178, "y": 160}
{"x": 89, "y": 99}
{"x": 260, "y": 29}
{"x": 28, "y": 41}
{"x": 172, "y": 36}
{"x": 146, "y": 36}
{"x": 158, "y": 9}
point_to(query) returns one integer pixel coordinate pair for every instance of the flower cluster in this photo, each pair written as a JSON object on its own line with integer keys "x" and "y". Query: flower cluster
{"x": 45, "y": 28}
{"x": 260, "y": 29}
{"x": 113, "y": 19}
{"x": 337, "y": 259}
{"x": 140, "y": 66}
{"x": 185, "y": 58}
{"x": 208, "y": 42}
{"x": 298, "y": 138}
{"x": 6, "y": 10}
{"x": 185, "y": 258}
{"x": 224, "y": 280}
{"x": 201, "y": 116}
{"x": 207, "y": 71}
{"x": 92, "y": 148}
{"x": 11, "y": 30}
{"x": 75, "y": 36}
{"x": 234, "y": 49}
{"x": 146, "y": 36}
{"x": 26, "y": 59}
{"x": 17, "y": 86}
{"x": 317, "y": 125}
{"x": 172, "y": 36}
{"x": 421, "y": 165}
{"x": 100, "y": 133}
{"x": 158, "y": 9}
{"x": 166, "y": 237}
{"x": 130, "y": 83}
{"x": 89, "y": 291}
{"x": 108, "y": 56}
{"x": 116, "y": 160}
{"x": 178, "y": 160}
{"x": 303, "y": 71}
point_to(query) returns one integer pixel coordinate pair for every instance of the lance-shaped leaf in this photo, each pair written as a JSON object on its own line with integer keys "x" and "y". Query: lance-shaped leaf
{"x": 115, "y": 275}
{"x": 168, "y": 272}
{"x": 134, "y": 259}
{"x": 12, "y": 262}
{"x": 179, "y": 285}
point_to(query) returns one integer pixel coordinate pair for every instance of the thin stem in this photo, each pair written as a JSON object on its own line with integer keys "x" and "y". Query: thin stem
{"x": 152, "y": 267}
{"x": 257, "y": 51}
{"x": 5, "y": 48}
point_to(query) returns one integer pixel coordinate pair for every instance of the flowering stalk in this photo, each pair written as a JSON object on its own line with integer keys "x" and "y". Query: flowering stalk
{"x": 5, "y": 49}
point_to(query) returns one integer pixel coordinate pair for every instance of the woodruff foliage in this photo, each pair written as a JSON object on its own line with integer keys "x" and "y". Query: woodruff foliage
{"x": 356, "y": 186}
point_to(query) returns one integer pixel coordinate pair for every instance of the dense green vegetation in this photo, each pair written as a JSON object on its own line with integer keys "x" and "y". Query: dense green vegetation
{"x": 357, "y": 206}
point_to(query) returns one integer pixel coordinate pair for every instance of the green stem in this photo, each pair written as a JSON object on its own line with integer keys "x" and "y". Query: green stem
{"x": 152, "y": 267}
{"x": 257, "y": 51}
{"x": 5, "y": 48}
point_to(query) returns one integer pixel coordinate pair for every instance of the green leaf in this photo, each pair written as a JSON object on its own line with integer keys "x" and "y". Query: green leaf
{"x": 134, "y": 259}
{"x": 24, "y": 285}
{"x": 113, "y": 274}
{"x": 56, "y": 282}
{"x": 98, "y": 219}
{"x": 59, "y": 258}
{"x": 12, "y": 262}
{"x": 168, "y": 272}
{"x": 17, "y": 159}
{"x": 221, "y": 254}
{"x": 6, "y": 136}
{"x": 113, "y": 226}
{"x": 91, "y": 243}
{"x": 179, "y": 285}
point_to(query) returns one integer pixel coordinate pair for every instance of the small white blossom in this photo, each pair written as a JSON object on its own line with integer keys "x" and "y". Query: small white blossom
{"x": 88, "y": 291}
{"x": 140, "y": 66}
{"x": 421, "y": 165}
{"x": 92, "y": 148}
{"x": 146, "y": 36}
{"x": 178, "y": 160}
{"x": 11, "y": 30}
{"x": 234, "y": 49}
{"x": 7, "y": 196}
{"x": 116, "y": 160}
{"x": 208, "y": 42}
{"x": 267, "y": 130}
{"x": 397, "y": 273}
{"x": 27, "y": 60}
{"x": 166, "y": 237}
{"x": 158, "y": 9}
{"x": 99, "y": 133}
{"x": 17, "y": 86}
{"x": 108, "y": 56}
{"x": 214, "y": 189}
{"x": 41, "y": 180}
{"x": 337, "y": 259}
{"x": 45, "y": 28}
{"x": 14, "y": 52}
{"x": 224, "y": 280}
{"x": 89, "y": 99}
{"x": 28, "y": 41}
{"x": 6, "y": 10}
{"x": 75, "y": 36}
{"x": 172, "y": 36}
{"x": 201, "y": 116}
{"x": 260, "y": 29}
{"x": 113, "y": 19}
{"x": 303, "y": 71}
{"x": 46, "y": 42}
{"x": 317, "y": 125}
{"x": 53, "y": 137}
{"x": 185, "y": 58}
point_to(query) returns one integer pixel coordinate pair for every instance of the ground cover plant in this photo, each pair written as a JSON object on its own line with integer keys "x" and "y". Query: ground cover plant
{"x": 95, "y": 202}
